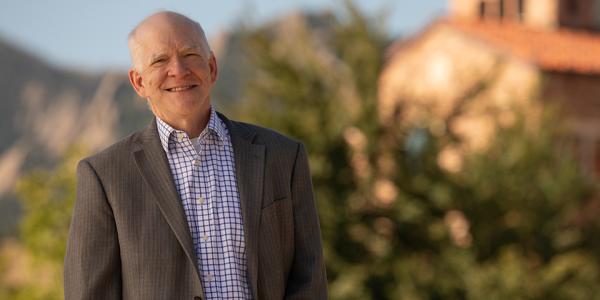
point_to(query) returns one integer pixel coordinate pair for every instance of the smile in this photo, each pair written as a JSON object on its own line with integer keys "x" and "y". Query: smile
{"x": 181, "y": 88}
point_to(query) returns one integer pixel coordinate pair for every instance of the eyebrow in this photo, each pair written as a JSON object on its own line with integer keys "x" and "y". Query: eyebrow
{"x": 157, "y": 57}
{"x": 190, "y": 48}
{"x": 161, "y": 55}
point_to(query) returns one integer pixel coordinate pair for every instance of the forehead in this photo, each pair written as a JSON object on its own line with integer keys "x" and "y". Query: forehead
{"x": 168, "y": 36}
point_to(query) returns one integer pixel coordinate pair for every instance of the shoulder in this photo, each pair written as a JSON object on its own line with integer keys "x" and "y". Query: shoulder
{"x": 271, "y": 139}
{"x": 277, "y": 145}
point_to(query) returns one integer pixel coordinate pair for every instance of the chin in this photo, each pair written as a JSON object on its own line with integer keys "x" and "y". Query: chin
{"x": 187, "y": 100}
{"x": 188, "y": 107}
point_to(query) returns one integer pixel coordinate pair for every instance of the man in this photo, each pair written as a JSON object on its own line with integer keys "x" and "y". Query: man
{"x": 195, "y": 206}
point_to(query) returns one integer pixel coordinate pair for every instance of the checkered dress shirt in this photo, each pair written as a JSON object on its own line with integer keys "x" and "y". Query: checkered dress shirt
{"x": 204, "y": 172}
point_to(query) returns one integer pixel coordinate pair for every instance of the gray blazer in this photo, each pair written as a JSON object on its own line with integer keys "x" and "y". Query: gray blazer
{"x": 129, "y": 238}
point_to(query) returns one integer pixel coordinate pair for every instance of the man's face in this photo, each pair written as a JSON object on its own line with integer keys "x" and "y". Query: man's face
{"x": 174, "y": 70}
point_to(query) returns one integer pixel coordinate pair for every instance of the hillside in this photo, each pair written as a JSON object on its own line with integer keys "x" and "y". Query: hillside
{"x": 45, "y": 109}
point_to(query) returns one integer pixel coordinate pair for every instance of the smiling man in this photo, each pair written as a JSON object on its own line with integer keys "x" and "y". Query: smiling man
{"x": 195, "y": 206}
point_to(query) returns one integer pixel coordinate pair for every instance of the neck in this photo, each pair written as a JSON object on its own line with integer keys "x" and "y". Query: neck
{"x": 193, "y": 125}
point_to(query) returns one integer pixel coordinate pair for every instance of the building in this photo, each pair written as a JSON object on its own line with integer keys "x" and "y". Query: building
{"x": 467, "y": 72}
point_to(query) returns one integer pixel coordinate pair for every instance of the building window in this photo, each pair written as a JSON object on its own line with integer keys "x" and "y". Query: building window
{"x": 521, "y": 10}
{"x": 493, "y": 9}
{"x": 482, "y": 10}
{"x": 571, "y": 7}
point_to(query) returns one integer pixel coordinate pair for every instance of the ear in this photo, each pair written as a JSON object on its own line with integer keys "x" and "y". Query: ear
{"x": 212, "y": 63}
{"x": 136, "y": 82}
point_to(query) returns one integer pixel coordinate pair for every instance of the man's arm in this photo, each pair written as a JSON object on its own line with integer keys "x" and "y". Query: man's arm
{"x": 307, "y": 278}
{"x": 92, "y": 261}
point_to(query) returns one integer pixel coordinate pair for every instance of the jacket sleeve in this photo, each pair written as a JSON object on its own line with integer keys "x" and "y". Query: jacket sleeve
{"x": 307, "y": 279}
{"x": 92, "y": 262}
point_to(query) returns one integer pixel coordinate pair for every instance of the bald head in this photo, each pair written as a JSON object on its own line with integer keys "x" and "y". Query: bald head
{"x": 159, "y": 22}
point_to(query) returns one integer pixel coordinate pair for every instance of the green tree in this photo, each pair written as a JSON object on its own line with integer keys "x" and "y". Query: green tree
{"x": 396, "y": 225}
{"x": 516, "y": 222}
{"x": 307, "y": 84}
{"x": 47, "y": 198}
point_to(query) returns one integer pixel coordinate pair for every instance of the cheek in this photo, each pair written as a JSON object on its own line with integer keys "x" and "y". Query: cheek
{"x": 150, "y": 83}
{"x": 153, "y": 81}
{"x": 202, "y": 69}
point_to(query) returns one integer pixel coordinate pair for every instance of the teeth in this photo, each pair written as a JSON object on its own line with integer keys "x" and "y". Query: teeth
{"x": 180, "y": 88}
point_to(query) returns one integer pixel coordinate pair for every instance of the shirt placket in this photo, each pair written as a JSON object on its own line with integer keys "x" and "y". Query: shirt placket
{"x": 180, "y": 169}
{"x": 215, "y": 209}
{"x": 208, "y": 251}
{"x": 185, "y": 163}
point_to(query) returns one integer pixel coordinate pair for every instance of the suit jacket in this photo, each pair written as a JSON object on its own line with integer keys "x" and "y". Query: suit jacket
{"x": 129, "y": 237}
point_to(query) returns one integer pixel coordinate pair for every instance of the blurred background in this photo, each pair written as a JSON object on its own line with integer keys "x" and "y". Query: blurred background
{"x": 454, "y": 144}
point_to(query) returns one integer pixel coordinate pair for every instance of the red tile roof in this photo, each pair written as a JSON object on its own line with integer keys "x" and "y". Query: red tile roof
{"x": 560, "y": 50}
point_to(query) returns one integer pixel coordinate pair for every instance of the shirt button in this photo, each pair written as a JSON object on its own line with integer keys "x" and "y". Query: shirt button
{"x": 201, "y": 200}
{"x": 205, "y": 237}
{"x": 196, "y": 162}
{"x": 180, "y": 137}
{"x": 210, "y": 277}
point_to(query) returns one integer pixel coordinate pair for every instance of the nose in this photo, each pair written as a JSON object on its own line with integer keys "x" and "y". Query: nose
{"x": 177, "y": 67}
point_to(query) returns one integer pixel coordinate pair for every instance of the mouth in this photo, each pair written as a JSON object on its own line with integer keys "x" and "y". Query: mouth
{"x": 181, "y": 88}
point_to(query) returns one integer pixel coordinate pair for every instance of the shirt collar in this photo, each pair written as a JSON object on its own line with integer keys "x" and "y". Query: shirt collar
{"x": 216, "y": 125}
{"x": 168, "y": 134}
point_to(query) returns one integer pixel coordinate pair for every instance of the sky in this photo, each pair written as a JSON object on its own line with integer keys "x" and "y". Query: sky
{"x": 91, "y": 35}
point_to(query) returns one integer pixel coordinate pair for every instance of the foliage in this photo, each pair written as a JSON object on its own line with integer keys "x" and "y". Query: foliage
{"x": 516, "y": 222}
{"x": 395, "y": 224}
{"x": 47, "y": 197}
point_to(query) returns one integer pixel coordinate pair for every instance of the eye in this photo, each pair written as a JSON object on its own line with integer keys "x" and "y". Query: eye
{"x": 158, "y": 61}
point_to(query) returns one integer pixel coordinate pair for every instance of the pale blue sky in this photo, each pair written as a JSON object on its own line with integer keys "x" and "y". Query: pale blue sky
{"x": 91, "y": 34}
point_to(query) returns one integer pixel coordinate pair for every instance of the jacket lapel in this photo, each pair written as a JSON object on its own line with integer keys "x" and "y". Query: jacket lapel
{"x": 249, "y": 166}
{"x": 152, "y": 162}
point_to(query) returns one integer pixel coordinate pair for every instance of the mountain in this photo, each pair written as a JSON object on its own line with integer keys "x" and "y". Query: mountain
{"x": 45, "y": 109}
{"x": 234, "y": 54}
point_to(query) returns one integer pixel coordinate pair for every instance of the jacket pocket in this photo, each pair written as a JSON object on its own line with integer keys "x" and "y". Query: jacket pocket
{"x": 275, "y": 200}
